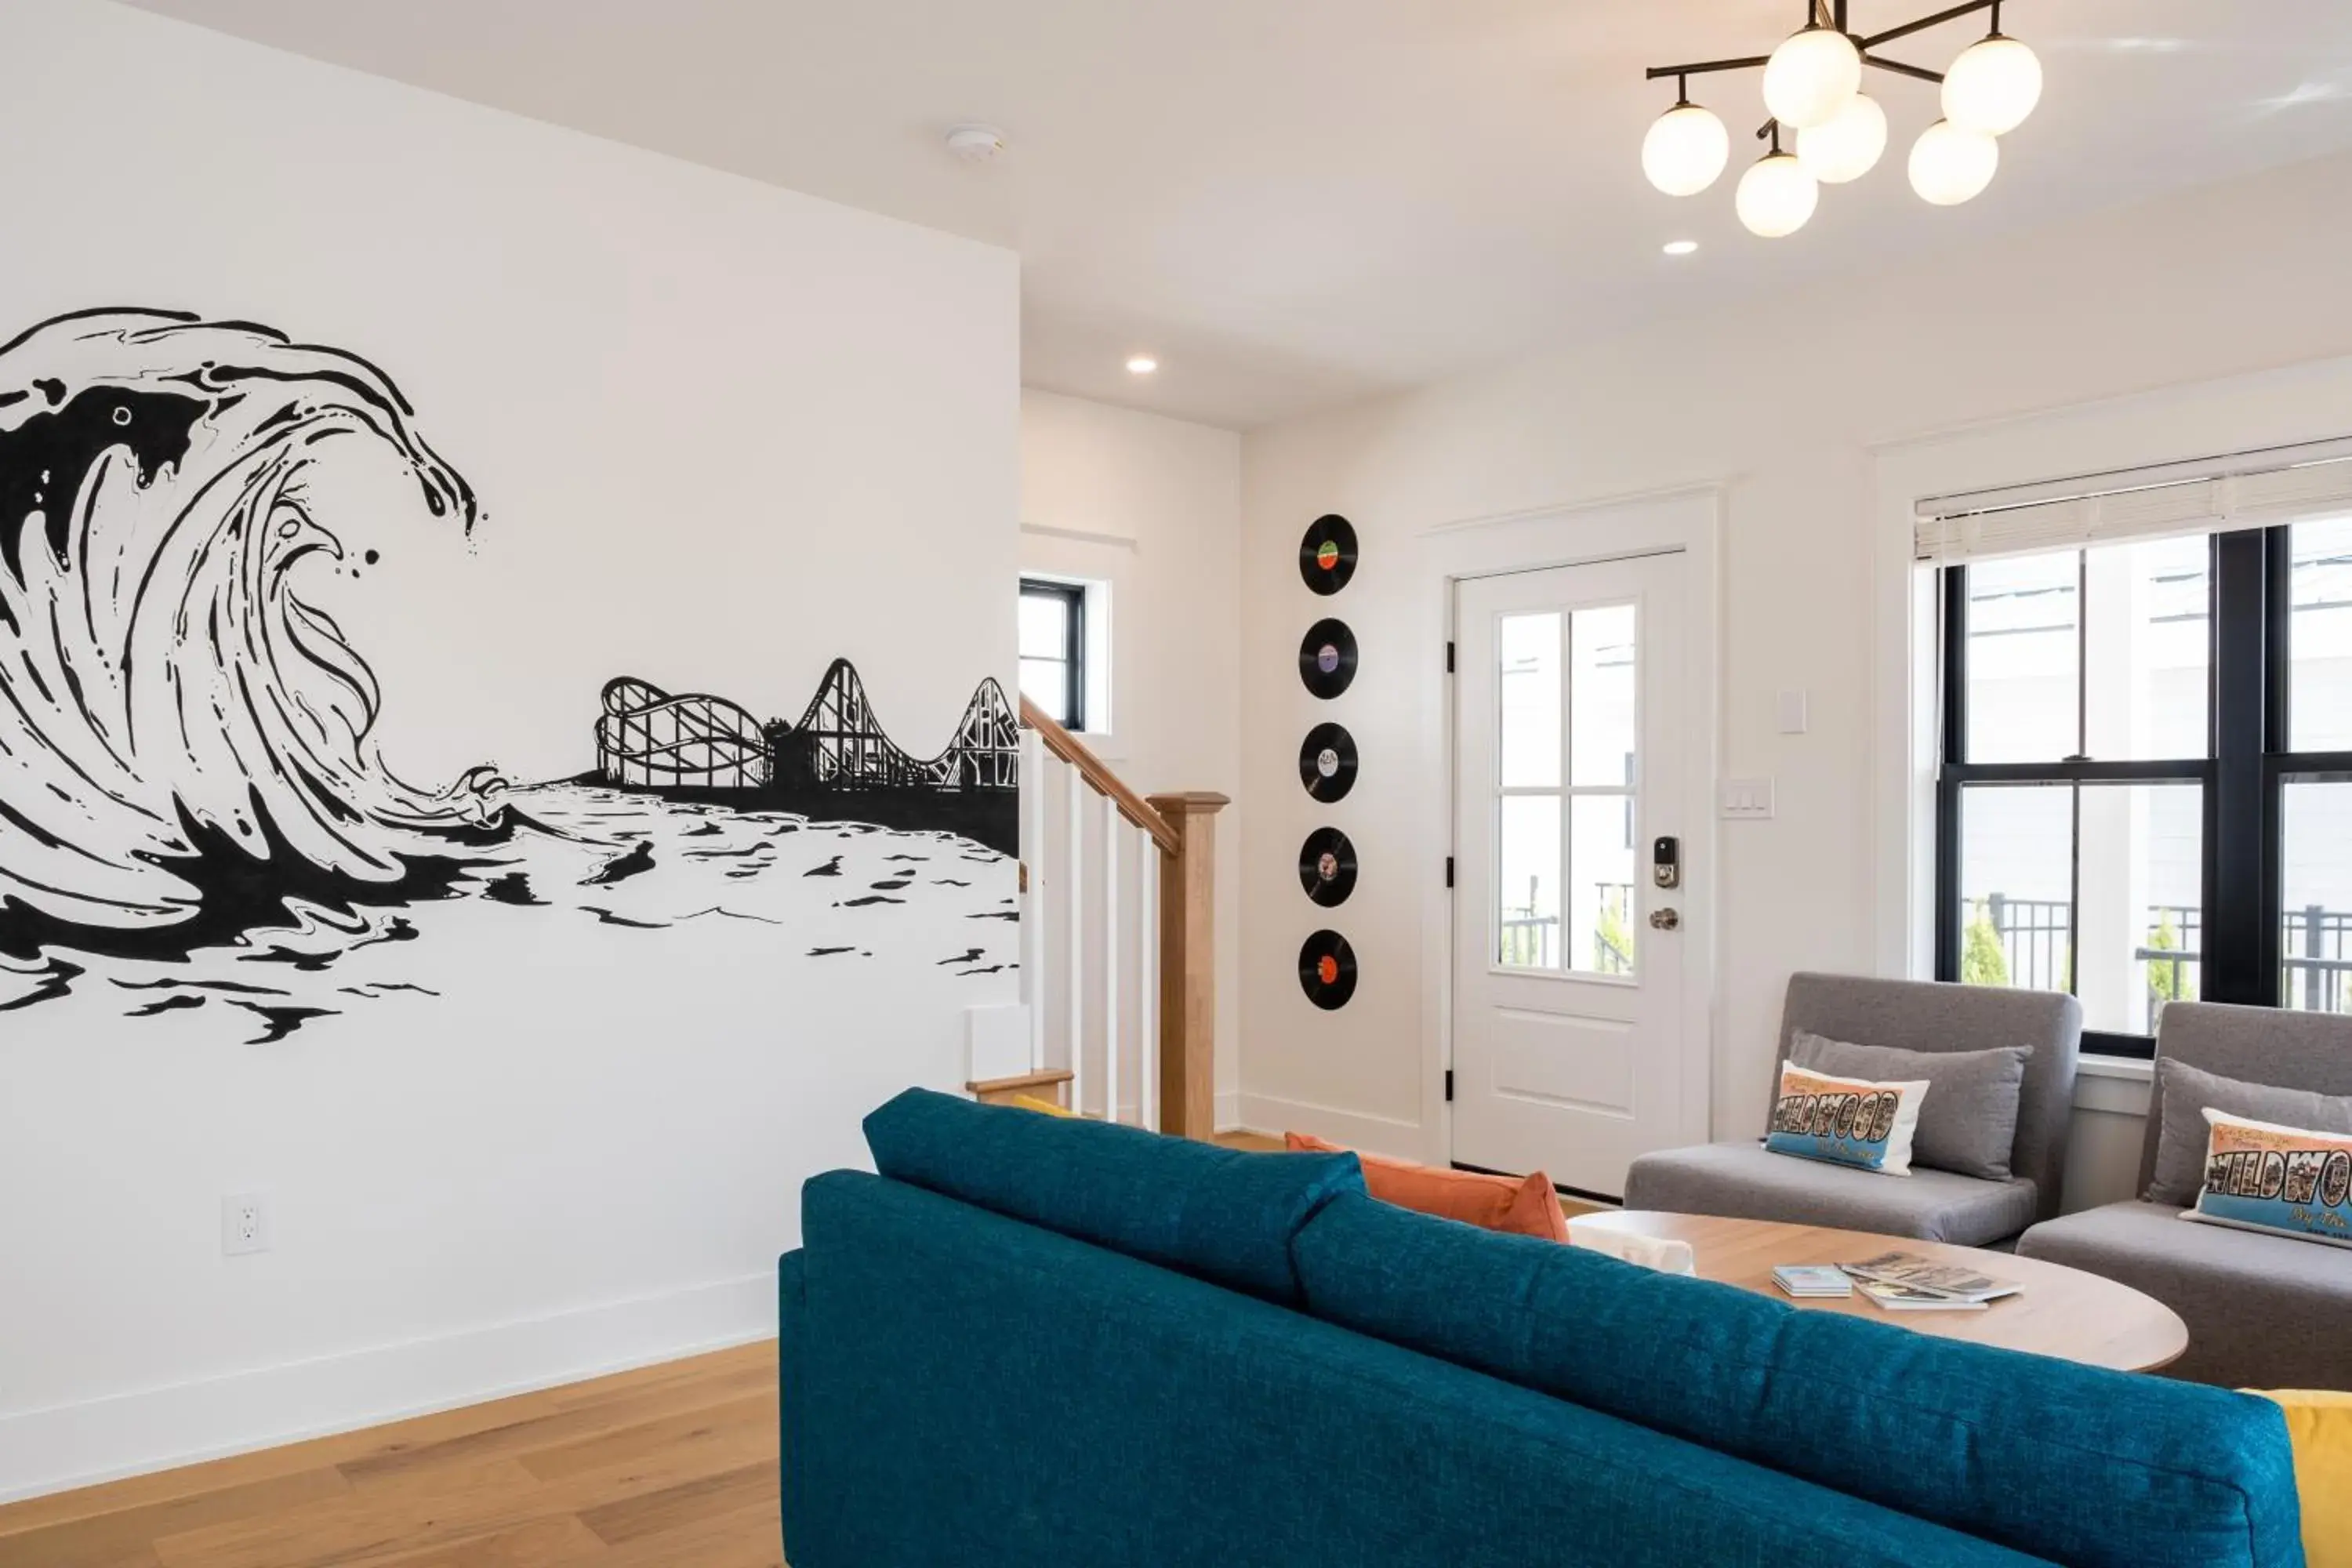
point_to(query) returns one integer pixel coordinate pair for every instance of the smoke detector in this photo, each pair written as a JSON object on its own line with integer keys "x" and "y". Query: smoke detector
{"x": 976, "y": 144}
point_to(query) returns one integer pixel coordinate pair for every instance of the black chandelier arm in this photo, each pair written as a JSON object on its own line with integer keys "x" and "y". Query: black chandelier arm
{"x": 1938, "y": 20}
{"x": 1836, "y": 18}
{"x": 1754, "y": 62}
{"x": 1921, "y": 73}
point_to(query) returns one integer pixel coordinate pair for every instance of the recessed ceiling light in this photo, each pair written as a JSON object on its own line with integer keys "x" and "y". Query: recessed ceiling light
{"x": 1681, "y": 246}
{"x": 1142, "y": 364}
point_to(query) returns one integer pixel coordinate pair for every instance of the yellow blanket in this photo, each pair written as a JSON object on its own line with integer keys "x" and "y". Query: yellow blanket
{"x": 2321, "y": 1426}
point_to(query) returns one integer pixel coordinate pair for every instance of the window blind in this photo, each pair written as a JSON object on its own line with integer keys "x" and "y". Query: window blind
{"x": 2249, "y": 489}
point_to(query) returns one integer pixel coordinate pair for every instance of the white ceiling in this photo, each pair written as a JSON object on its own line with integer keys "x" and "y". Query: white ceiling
{"x": 1298, "y": 202}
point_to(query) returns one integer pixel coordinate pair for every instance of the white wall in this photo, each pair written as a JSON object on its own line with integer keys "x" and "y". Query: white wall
{"x": 1784, "y": 403}
{"x": 722, "y": 433}
{"x": 1152, "y": 506}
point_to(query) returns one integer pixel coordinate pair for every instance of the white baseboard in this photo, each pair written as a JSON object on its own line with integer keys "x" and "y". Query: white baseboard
{"x": 1228, "y": 1112}
{"x": 1380, "y": 1134}
{"x": 82, "y": 1443}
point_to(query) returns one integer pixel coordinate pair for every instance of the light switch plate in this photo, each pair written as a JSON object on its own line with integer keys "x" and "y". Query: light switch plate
{"x": 1746, "y": 800}
{"x": 1795, "y": 717}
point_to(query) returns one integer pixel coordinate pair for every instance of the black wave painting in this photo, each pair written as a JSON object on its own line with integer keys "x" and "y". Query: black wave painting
{"x": 191, "y": 787}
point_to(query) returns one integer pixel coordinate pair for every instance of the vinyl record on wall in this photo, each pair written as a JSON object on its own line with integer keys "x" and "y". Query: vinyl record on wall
{"x": 1327, "y": 867}
{"x": 1326, "y": 970}
{"x": 1326, "y": 763}
{"x": 1326, "y": 556}
{"x": 1327, "y": 658}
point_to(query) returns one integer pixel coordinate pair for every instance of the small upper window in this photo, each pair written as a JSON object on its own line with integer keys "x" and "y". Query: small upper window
{"x": 1054, "y": 649}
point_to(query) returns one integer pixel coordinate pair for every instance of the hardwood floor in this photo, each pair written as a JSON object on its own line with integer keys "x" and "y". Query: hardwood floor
{"x": 667, "y": 1467}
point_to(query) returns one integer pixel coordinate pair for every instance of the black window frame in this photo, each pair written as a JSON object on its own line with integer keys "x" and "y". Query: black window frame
{"x": 1073, "y": 597}
{"x": 2245, "y": 774}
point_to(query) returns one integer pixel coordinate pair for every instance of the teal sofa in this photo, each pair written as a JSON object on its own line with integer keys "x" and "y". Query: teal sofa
{"x": 1032, "y": 1342}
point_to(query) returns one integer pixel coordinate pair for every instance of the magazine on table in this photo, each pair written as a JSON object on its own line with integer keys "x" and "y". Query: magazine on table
{"x": 1912, "y": 1272}
{"x": 1903, "y": 1299}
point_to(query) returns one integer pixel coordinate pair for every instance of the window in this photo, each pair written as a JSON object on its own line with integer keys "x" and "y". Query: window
{"x": 1054, "y": 649}
{"x": 2145, "y": 788}
{"x": 1564, "y": 809}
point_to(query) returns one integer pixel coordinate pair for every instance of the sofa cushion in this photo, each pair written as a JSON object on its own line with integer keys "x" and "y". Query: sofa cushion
{"x": 2262, "y": 1311}
{"x": 1523, "y": 1206}
{"x": 2186, "y": 1093}
{"x": 2070, "y": 1463}
{"x": 1745, "y": 1180}
{"x": 1968, "y": 1123}
{"x": 1221, "y": 1213}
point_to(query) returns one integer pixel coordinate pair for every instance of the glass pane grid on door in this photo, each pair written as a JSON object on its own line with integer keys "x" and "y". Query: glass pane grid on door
{"x": 1566, "y": 711}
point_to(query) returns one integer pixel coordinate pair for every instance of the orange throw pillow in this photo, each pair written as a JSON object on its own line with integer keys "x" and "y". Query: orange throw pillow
{"x": 1520, "y": 1205}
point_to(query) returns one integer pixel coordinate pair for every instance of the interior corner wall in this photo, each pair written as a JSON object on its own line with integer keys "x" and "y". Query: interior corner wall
{"x": 551, "y": 1117}
{"x": 1152, "y": 506}
{"x": 1783, "y": 403}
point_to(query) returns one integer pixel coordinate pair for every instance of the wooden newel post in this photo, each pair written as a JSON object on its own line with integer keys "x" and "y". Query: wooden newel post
{"x": 1187, "y": 965}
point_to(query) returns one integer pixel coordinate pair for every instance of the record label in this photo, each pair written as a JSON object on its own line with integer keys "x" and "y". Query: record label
{"x": 1327, "y": 867}
{"x": 1326, "y": 556}
{"x": 1327, "y": 658}
{"x": 1326, "y": 763}
{"x": 1326, "y": 970}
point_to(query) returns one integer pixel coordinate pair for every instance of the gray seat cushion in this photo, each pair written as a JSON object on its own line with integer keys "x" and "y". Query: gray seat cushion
{"x": 1746, "y": 1181}
{"x": 2264, "y": 1311}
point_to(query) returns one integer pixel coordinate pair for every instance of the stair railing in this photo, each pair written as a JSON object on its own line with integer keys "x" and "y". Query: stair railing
{"x": 1118, "y": 939}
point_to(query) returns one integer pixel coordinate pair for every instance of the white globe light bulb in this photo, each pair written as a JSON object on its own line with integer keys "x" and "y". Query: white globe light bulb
{"x": 1849, "y": 146}
{"x": 1686, "y": 150}
{"x": 1993, "y": 86}
{"x": 1776, "y": 196}
{"x": 1810, "y": 76}
{"x": 1952, "y": 164}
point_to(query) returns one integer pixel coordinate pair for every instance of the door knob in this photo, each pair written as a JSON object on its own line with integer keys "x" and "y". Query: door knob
{"x": 1665, "y": 919}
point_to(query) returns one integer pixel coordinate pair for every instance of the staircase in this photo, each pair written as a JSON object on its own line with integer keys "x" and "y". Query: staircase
{"x": 1118, "y": 943}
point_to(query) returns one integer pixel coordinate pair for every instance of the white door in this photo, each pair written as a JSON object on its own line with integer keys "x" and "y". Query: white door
{"x": 1567, "y": 954}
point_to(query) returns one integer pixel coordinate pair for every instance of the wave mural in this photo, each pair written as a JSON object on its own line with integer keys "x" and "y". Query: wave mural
{"x": 173, "y": 715}
{"x": 190, "y": 780}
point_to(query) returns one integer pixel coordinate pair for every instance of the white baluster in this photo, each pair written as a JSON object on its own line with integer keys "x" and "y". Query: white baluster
{"x": 1149, "y": 978}
{"x": 1112, "y": 825}
{"x": 1075, "y": 901}
{"x": 1033, "y": 898}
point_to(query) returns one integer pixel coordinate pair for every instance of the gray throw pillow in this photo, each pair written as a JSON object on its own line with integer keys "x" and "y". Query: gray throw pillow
{"x": 2187, "y": 1093}
{"x": 1967, "y": 1122}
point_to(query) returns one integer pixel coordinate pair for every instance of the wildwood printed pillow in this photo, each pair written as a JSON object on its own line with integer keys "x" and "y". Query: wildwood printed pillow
{"x": 2187, "y": 1093}
{"x": 1969, "y": 1126}
{"x": 1845, "y": 1121}
{"x": 2282, "y": 1180}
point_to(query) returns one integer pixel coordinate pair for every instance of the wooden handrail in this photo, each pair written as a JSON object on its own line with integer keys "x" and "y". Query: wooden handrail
{"x": 1100, "y": 779}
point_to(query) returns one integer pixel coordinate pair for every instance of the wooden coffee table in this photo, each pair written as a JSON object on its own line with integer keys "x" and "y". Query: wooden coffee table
{"x": 2060, "y": 1312}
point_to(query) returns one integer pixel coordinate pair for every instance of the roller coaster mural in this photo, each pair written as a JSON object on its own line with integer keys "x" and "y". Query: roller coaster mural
{"x": 836, "y": 765}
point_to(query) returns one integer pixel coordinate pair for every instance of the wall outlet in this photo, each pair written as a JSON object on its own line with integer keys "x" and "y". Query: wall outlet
{"x": 1747, "y": 800}
{"x": 245, "y": 1224}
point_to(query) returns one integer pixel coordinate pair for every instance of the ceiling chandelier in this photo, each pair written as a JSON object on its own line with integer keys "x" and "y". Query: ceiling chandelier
{"x": 1812, "y": 88}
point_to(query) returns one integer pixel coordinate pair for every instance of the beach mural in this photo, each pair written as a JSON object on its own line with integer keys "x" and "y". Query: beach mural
{"x": 198, "y": 827}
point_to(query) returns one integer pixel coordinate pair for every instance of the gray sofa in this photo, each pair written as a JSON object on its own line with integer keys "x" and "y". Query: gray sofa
{"x": 1745, "y": 1180}
{"x": 2262, "y": 1311}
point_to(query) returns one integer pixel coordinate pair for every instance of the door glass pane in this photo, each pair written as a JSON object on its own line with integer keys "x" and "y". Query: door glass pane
{"x": 1046, "y": 682}
{"x": 2315, "y": 881}
{"x": 2025, "y": 658}
{"x": 2320, "y": 637}
{"x": 1044, "y": 627}
{"x": 2148, "y": 648}
{"x": 1601, "y": 883}
{"x": 1527, "y": 657}
{"x": 1601, "y": 662}
{"x": 1527, "y": 881}
{"x": 2017, "y": 898}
